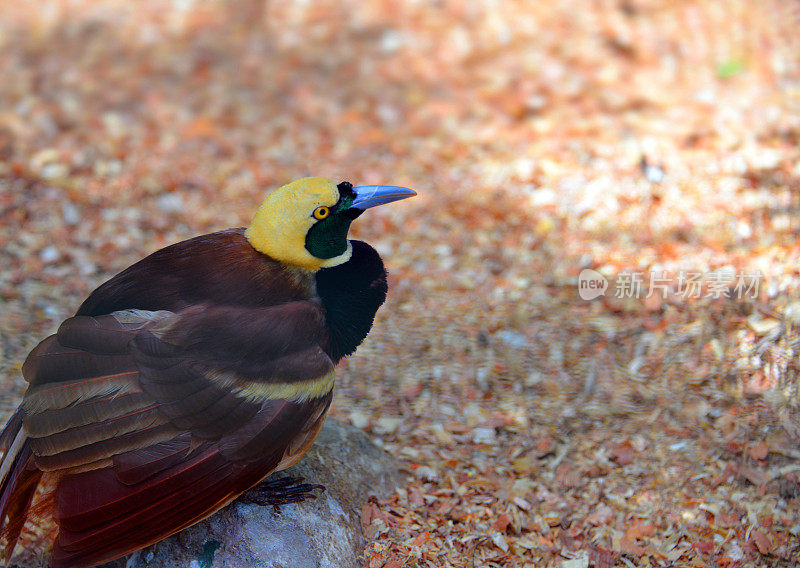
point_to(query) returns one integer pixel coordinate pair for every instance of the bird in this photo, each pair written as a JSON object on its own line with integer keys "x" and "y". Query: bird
{"x": 190, "y": 377}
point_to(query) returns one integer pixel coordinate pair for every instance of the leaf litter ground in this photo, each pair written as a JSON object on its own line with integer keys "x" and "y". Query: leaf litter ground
{"x": 536, "y": 428}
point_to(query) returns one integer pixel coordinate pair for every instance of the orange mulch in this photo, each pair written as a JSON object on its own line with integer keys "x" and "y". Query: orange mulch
{"x": 658, "y": 139}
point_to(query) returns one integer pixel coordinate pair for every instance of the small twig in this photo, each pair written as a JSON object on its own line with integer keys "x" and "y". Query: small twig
{"x": 562, "y": 452}
{"x": 475, "y": 543}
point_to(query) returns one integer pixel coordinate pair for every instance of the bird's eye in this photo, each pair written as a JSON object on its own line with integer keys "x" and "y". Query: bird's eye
{"x": 321, "y": 212}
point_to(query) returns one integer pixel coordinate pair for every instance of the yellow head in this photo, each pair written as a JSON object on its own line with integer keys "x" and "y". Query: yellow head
{"x": 283, "y": 220}
{"x": 305, "y": 223}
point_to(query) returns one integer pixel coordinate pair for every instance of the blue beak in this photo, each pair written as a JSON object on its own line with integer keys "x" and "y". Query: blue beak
{"x": 372, "y": 195}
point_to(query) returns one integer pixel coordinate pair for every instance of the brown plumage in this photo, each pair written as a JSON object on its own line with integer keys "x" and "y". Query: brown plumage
{"x": 179, "y": 384}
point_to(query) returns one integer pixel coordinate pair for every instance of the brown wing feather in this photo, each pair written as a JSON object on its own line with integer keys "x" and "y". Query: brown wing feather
{"x": 94, "y": 410}
{"x": 146, "y": 440}
{"x": 51, "y": 362}
{"x": 220, "y": 269}
{"x": 117, "y": 518}
{"x": 137, "y": 465}
{"x": 164, "y": 509}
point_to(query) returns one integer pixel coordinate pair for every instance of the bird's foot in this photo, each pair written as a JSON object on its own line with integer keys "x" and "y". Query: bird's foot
{"x": 280, "y": 491}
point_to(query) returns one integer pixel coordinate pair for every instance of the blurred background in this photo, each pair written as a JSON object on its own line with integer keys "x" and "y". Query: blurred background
{"x": 538, "y": 428}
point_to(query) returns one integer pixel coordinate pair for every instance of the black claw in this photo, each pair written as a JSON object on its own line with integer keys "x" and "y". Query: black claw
{"x": 280, "y": 491}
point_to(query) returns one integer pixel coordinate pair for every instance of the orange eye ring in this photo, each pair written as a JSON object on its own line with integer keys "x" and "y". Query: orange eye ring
{"x": 321, "y": 212}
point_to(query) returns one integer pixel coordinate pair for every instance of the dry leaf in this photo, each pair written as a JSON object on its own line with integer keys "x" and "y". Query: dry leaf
{"x": 762, "y": 541}
{"x": 759, "y": 451}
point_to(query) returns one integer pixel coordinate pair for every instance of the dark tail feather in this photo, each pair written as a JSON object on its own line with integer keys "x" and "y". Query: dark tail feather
{"x": 10, "y": 432}
{"x": 19, "y": 478}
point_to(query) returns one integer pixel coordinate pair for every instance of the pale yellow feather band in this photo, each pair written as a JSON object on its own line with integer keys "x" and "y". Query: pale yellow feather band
{"x": 261, "y": 391}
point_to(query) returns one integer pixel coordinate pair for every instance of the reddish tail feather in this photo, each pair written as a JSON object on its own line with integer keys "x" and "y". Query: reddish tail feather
{"x": 19, "y": 485}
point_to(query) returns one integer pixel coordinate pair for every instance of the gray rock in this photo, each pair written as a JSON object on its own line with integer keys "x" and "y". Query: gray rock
{"x": 318, "y": 533}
